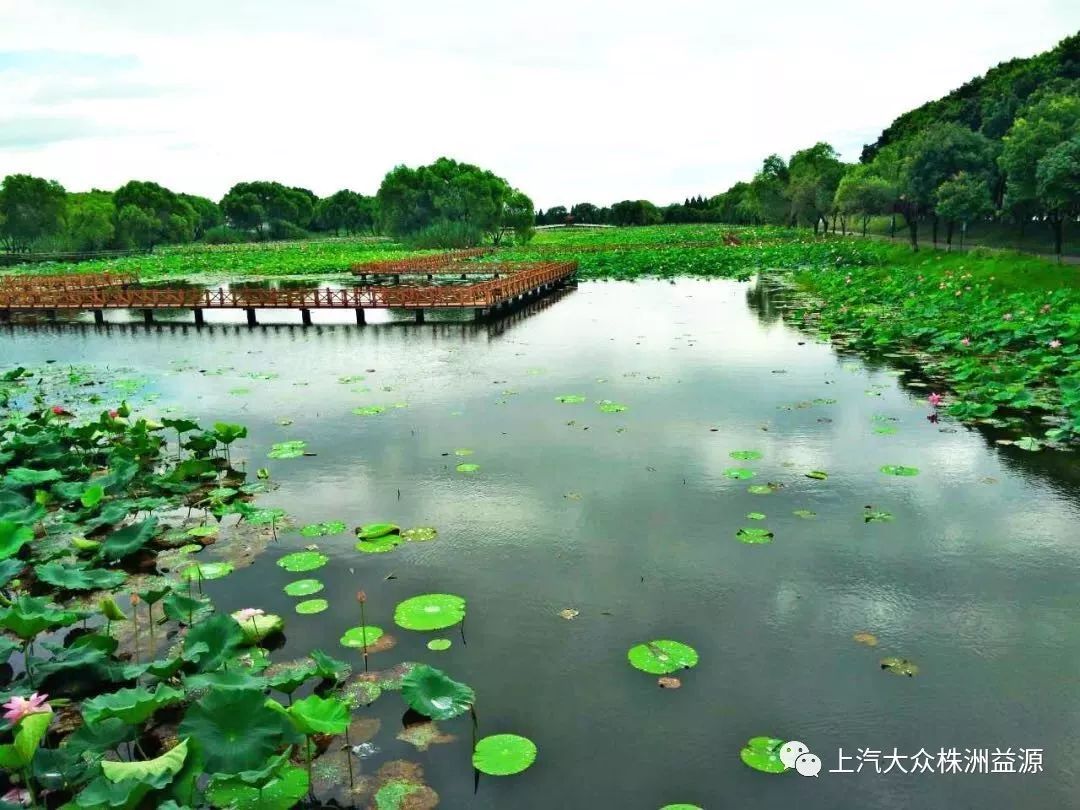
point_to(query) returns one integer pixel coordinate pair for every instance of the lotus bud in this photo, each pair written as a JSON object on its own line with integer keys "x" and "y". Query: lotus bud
{"x": 361, "y": 597}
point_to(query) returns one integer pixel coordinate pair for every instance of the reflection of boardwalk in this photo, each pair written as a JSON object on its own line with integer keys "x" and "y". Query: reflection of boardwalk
{"x": 484, "y": 297}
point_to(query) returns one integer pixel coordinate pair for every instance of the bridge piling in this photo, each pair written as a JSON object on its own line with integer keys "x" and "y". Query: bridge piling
{"x": 99, "y": 317}
{"x": 251, "y": 317}
{"x": 148, "y": 316}
{"x": 305, "y": 317}
{"x": 199, "y": 319}
{"x": 419, "y": 316}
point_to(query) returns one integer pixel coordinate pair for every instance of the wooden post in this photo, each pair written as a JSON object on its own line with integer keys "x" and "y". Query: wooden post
{"x": 148, "y": 316}
{"x": 305, "y": 317}
{"x": 251, "y": 317}
{"x": 479, "y": 313}
{"x": 99, "y": 317}
{"x": 419, "y": 316}
{"x": 199, "y": 320}
{"x": 360, "y": 318}
{"x": 5, "y": 315}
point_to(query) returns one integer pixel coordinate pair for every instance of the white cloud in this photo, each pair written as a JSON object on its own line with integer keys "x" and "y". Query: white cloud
{"x": 596, "y": 100}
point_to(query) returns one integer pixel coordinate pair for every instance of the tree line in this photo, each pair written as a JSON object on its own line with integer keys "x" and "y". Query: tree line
{"x": 1003, "y": 148}
{"x": 446, "y": 204}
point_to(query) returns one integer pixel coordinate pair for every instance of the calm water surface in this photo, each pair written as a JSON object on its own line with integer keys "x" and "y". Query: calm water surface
{"x": 975, "y": 580}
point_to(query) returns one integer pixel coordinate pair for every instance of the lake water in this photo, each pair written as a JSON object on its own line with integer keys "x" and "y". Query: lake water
{"x": 630, "y": 519}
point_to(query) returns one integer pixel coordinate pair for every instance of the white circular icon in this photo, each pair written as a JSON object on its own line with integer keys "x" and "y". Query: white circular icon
{"x": 808, "y": 765}
{"x": 792, "y": 751}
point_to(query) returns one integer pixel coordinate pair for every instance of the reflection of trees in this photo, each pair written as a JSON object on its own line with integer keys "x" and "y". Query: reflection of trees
{"x": 761, "y": 297}
{"x": 771, "y": 302}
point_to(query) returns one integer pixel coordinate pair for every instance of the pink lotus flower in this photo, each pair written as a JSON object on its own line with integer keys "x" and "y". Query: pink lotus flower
{"x": 1055, "y": 344}
{"x": 57, "y": 410}
{"x": 114, "y": 414}
{"x": 934, "y": 400}
{"x": 18, "y": 707}
{"x": 247, "y": 613}
{"x": 965, "y": 342}
{"x": 17, "y": 796}
{"x": 1045, "y": 309}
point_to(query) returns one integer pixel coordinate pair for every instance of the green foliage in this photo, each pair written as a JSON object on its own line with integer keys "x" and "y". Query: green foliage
{"x": 413, "y": 201}
{"x": 235, "y": 730}
{"x": 432, "y": 693}
{"x": 31, "y": 208}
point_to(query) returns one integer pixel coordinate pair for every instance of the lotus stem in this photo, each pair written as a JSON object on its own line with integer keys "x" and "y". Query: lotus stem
{"x": 348, "y": 757}
{"x": 28, "y": 649}
{"x": 363, "y": 635}
{"x": 307, "y": 751}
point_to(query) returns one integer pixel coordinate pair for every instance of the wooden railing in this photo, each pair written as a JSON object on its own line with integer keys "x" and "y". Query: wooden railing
{"x": 430, "y": 263}
{"x": 484, "y": 294}
{"x": 67, "y": 281}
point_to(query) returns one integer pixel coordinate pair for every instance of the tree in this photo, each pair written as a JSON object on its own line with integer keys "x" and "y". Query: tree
{"x": 556, "y": 215}
{"x": 168, "y": 218}
{"x": 587, "y": 213}
{"x": 135, "y": 227}
{"x": 448, "y": 197}
{"x": 208, "y": 213}
{"x": 963, "y": 198}
{"x": 1057, "y": 184}
{"x": 814, "y": 175}
{"x": 635, "y": 212}
{"x": 268, "y": 208}
{"x": 31, "y": 208}
{"x": 863, "y": 193}
{"x": 1049, "y": 121}
{"x": 769, "y": 192}
{"x": 90, "y": 221}
{"x": 936, "y": 154}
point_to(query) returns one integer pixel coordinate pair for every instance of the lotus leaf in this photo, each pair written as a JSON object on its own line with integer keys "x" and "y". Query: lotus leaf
{"x": 662, "y": 657}
{"x": 503, "y": 754}
{"x": 433, "y": 611}
{"x": 432, "y": 693}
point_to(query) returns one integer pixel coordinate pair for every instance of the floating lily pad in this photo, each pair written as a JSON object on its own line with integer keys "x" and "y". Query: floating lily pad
{"x": 311, "y": 606}
{"x": 898, "y": 469}
{"x": 680, "y": 807}
{"x": 463, "y": 451}
{"x": 607, "y": 406}
{"x": 467, "y": 468}
{"x": 373, "y": 531}
{"x": 207, "y": 570}
{"x": 900, "y": 666}
{"x": 570, "y": 399}
{"x": 431, "y": 611}
{"x": 356, "y": 637}
{"x": 745, "y": 455}
{"x": 439, "y": 644}
{"x": 303, "y": 561}
{"x": 323, "y": 529}
{"x": 303, "y": 587}
{"x": 755, "y": 516}
{"x": 662, "y": 657}
{"x": 290, "y": 449}
{"x": 885, "y": 430}
{"x": 876, "y": 516}
{"x": 817, "y": 475}
{"x": 805, "y": 514}
{"x": 754, "y": 536}
{"x": 380, "y": 545}
{"x": 761, "y": 489}
{"x": 1029, "y": 443}
{"x": 869, "y": 639}
{"x": 420, "y": 534}
{"x": 369, "y": 410}
{"x": 202, "y": 531}
{"x": 503, "y": 754}
{"x": 763, "y": 754}
{"x": 740, "y": 473}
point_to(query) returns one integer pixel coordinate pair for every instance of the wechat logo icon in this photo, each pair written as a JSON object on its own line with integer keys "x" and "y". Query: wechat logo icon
{"x": 795, "y": 754}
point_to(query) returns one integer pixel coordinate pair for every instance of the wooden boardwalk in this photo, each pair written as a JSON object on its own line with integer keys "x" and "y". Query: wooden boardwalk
{"x": 484, "y": 297}
{"x": 66, "y": 281}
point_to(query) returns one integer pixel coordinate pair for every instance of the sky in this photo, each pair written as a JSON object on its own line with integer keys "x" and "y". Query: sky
{"x": 590, "y": 101}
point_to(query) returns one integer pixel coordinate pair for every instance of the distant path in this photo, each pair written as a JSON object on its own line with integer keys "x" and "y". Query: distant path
{"x": 1066, "y": 258}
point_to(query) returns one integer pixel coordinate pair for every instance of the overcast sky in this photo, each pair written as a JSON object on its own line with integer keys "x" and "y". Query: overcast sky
{"x": 592, "y": 100}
